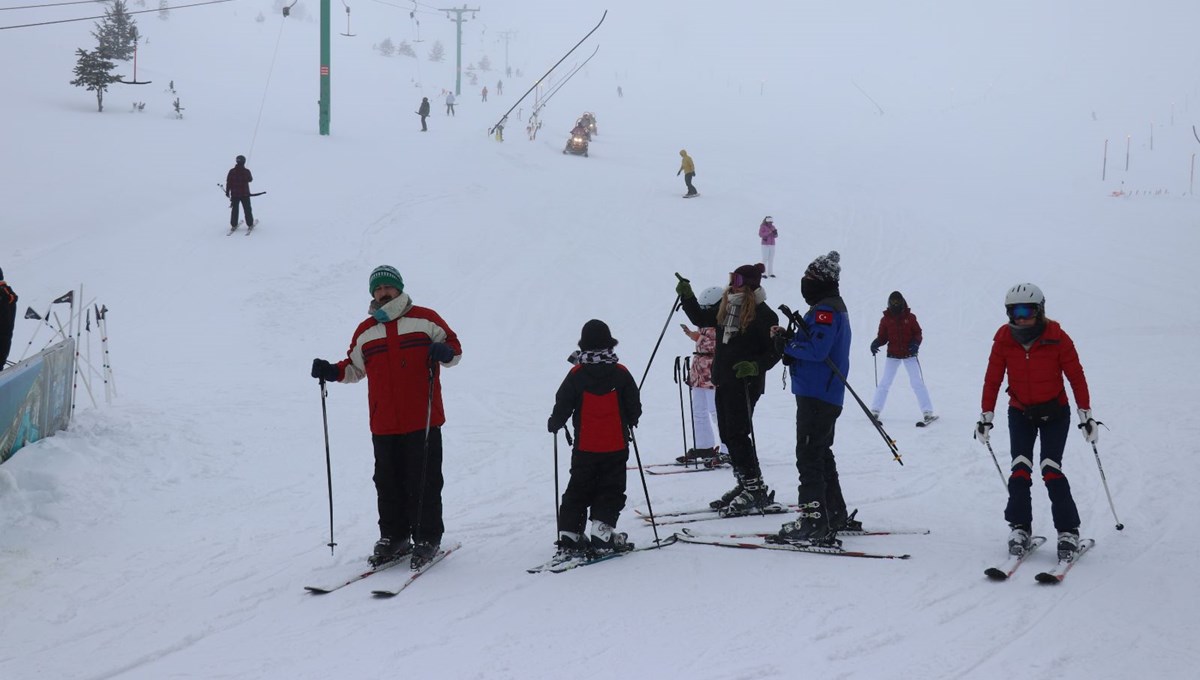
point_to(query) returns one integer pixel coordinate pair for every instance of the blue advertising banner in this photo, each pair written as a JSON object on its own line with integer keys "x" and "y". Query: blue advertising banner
{"x": 35, "y": 397}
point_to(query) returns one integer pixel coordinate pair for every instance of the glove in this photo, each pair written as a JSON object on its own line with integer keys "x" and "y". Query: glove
{"x": 684, "y": 289}
{"x": 551, "y": 426}
{"x": 781, "y": 337}
{"x": 745, "y": 369}
{"x": 226, "y": 193}
{"x": 1089, "y": 426}
{"x": 875, "y": 345}
{"x": 678, "y": 173}
{"x": 984, "y": 426}
{"x": 324, "y": 370}
{"x": 441, "y": 352}
{"x": 912, "y": 349}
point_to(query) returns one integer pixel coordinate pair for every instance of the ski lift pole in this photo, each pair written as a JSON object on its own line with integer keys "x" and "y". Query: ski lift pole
{"x": 539, "y": 80}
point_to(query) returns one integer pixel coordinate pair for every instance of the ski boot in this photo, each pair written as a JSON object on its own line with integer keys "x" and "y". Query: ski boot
{"x": 811, "y": 529}
{"x": 1019, "y": 539}
{"x": 388, "y": 549}
{"x": 1068, "y": 545}
{"x": 423, "y": 553}
{"x": 605, "y": 540}
{"x": 571, "y": 544}
{"x": 754, "y": 499}
{"x": 699, "y": 455}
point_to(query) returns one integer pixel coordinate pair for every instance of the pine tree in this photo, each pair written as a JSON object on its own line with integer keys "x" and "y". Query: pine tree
{"x": 163, "y": 9}
{"x": 94, "y": 72}
{"x": 387, "y": 48}
{"x": 116, "y": 33}
{"x": 438, "y": 53}
{"x": 405, "y": 49}
{"x": 485, "y": 64}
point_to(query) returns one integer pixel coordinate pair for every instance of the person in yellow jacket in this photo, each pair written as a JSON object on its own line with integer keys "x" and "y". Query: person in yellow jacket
{"x": 688, "y": 168}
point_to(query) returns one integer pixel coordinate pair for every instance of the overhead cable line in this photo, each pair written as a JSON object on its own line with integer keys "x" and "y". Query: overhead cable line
{"x": 140, "y": 11}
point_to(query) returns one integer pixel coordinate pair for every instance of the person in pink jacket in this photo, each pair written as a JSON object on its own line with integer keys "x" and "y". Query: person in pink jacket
{"x": 767, "y": 233}
{"x": 704, "y": 406}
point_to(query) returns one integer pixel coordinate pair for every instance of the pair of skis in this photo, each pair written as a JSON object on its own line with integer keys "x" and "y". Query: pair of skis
{"x": 758, "y": 542}
{"x": 1005, "y": 570}
{"x": 706, "y": 514}
{"x": 249, "y": 227}
{"x": 557, "y": 565}
{"x": 413, "y": 574}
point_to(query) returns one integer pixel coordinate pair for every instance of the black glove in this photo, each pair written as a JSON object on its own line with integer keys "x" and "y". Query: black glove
{"x": 551, "y": 426}
{"x": 875, "y": 345}
{"x": 324, "y": 370}
{"x": 781, "y": 340}
{"x": 912, "y": 349}
{"x": 441, "y": 352}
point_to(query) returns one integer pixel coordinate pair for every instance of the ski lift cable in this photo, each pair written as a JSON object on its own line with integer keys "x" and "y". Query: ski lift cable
{"x": 140, "y": 11}
{"x": 392, "y": 4}
{"x": 53, "y": 4}
{"x": 266, "y": 87}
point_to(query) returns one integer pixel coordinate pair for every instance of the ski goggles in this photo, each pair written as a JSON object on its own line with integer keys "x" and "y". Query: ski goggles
{"x": 1023, "y": 311}
{"x": 736, "y": 280}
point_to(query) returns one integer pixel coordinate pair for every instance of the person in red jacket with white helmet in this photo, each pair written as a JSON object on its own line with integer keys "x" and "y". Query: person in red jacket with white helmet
{"x": 399, "y": 349}
{"x": 1035, "y": 352}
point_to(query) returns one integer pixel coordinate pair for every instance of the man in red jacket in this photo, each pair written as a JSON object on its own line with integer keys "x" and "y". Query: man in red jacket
{"x": 1036, "y": 353}
{"x": 399, "y": 350}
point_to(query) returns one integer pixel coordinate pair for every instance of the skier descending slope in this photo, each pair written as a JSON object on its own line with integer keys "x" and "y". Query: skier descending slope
{"x": 1036, "y": 353}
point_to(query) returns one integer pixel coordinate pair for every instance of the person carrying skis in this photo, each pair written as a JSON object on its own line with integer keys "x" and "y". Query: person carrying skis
{"x": 1035, "y": 352}
{"x": 688, "y": 167}
{"x": 399, "y": 350}
{"x": 824, "y": 337}
{"x": 899, "y": 330}
{"x": 423, "y": 112}
{"x": 601, "y": 399}
{"x": 237, "y": 190}
{"x": 703, "y": 398}
{"x": 8, "y": 319}
{"x": 767, "y": 234}
{"x": 743, "y": 355}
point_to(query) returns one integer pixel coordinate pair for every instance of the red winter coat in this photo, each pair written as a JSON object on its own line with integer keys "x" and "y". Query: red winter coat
{"x": 1035, "y": 376}
{"x": 394, "y": 358}
{"x": 898, "y": 332}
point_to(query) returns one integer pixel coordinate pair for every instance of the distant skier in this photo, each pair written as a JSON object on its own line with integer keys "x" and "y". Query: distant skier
{"x": 601, "y": 399}
{"x": 688, "y": 168}
{"x": 620, "y": 92}
{"x": 423, "y": 112}
{"x": 237, "y": 189}
{"x": 767, "y": 234}
{"x": 449, "y": 103}
{"x": 899, "y": 330}
{"x": 8, "y": 319}
{"x": 500, "y": 87}
{"x": 485, "y": 93}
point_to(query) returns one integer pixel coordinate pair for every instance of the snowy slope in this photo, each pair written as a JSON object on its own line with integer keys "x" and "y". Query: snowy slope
{"x": 170, "y": 535}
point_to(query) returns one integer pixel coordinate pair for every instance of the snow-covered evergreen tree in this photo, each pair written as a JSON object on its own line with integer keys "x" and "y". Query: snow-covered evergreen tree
{"x": 117, "y": 33}
{"x": 387, "y": 48}
{"x": 163, "y": 9}
{"x": 438, "y": 53}
{"x": 405, "y": 49}
{"x": 485, "y": 64}
{"x": 94, "y": 73}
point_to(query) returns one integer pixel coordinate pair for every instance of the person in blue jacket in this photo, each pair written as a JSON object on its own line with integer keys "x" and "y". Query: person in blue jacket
{"x": 819, "y": 392}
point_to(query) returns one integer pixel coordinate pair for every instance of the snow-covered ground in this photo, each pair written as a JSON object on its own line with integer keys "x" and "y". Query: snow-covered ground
{"x": 947, "y": 150}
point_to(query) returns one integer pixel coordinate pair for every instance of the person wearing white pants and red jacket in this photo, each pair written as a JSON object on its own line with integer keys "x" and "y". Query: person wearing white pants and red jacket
{"x": 400, "y": 349}
{"x": 704, "y": 395}
{"x": 767, "y": 234}
{"x": 899, "y": 330}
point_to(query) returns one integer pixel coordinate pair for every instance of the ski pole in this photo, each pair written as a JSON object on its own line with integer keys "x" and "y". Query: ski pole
{"x": 682, "y": 418}
{"x": 997, "y": 463}
{"x": 556, "y": 496}
{"x": 417, "y": 528}
{"x": 797, "y": 321}
{"x": 646, "y": 490}
{"x": 687, "y": 379}
{"x": 1120, "y": 526}
{"x": 674, "y": 307}
{"x": 328, "y": 463}
{"x": 875, "y": 360}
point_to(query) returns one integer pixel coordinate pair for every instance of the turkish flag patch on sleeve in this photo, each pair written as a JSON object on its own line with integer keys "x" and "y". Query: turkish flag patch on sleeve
{"x": 824, "y": 317}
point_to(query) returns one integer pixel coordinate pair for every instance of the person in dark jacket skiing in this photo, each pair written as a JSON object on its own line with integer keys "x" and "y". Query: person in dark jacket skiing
{"x": 601, "y": 399}
{"x": 399, "y": 349}
{"x": 8, "y": 319}
{"x": 744, "y": 353}
{"x": 1035, "y": 352}
{"x": 237, "y": 189}
{"x": 899, "y": 330}
{"x": 824, "y": 337}
{"x": 423, "y": 112}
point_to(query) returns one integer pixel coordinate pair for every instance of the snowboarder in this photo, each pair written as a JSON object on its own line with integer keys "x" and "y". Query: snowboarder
{"x": 399, "y": 349}
{"x": 703, "y": 399}
{"x": 743, "y": 355}
{"x": 1036, "y": 353}
{"x": 423, "y": 112}
{"x": 767, "y": 234}
{"x": 8, "y": 319}
{"x": 601, "y": 399}
{"x": 899, "y": 330}
{"x": 819, "y": 397}
{"x": 449, "y": 103}
{"x": 688, "y": 168}
{"x": 237, "y": 190}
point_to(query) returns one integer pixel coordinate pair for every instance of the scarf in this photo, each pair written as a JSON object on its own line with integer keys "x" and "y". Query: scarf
{"x": 1025, "y": 335}
{"x": 593, "y": 356}
{"x": 731, "y": 325}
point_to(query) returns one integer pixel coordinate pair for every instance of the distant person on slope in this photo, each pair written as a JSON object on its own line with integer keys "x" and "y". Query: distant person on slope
{"x": 899, "y": 330}
{"x": 767, "y": 234}
{"x": 400, "y": 350}
{"x": 1036, "y": 353}
{"x": 743, "y": 355}
{"x": 423, "y": 112}
{"x": 601, "y": 399}
{"x": 8, "y": 319}
{"x": 688, "y": 168}
{"x": 485, "y": 93}
{"x": 237, "y": 189}
{"x": 449, "y": 103}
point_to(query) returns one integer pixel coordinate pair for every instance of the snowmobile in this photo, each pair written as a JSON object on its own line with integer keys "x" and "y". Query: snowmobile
{"x": 577, "y": 144}
{"x": 589, "y": 122}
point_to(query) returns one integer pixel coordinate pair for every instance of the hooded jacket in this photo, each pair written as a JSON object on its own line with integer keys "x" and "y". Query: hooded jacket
{"x": 1035, "y": 375}
{"x": 899, "y": 331}
{"x": 603, "y": 403}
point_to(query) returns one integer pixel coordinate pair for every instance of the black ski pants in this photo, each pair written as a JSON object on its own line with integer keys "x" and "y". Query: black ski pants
{"x": 1022, "y": 433}
{"x": 687, "y": 179}
{"x": 815, "y": 422}
{"x": 735, "y": 410}
{"x": 423, "y": 128}
{"x": 408, "y": 484}
{"x": 233, "y": 211}
{"x": 597, "y": 482}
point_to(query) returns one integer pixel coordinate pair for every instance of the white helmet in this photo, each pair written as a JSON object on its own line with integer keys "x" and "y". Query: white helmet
{"x": 710, "y": 296}
{"x": 1025, "y": 293}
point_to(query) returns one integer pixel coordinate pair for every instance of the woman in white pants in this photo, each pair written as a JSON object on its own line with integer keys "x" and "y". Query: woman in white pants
{"x": 767, "y": 233}
{"x": 899, "y": 330}
{"x": 704, "y": 407}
